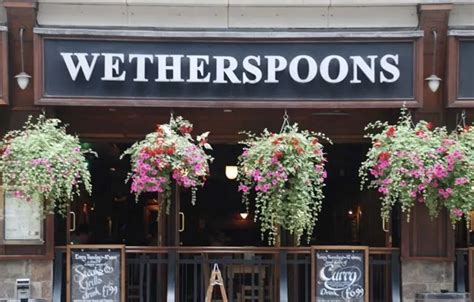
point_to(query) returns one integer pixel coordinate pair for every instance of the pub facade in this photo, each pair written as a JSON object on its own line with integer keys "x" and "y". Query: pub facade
{"x": 113, "y": 70}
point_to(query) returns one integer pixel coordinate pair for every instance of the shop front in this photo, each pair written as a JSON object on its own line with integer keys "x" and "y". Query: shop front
{"x": 113, "y": 86}
{"x": 226, "y": 82}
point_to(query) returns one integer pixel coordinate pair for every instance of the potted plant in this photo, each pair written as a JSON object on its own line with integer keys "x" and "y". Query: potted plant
{"x": 411, "y": 163}
{"x": 43, "y": 162}
{"x": 286, "y": 172}
{"x": 169, "y": 154}
{"x": 453, "y": 173}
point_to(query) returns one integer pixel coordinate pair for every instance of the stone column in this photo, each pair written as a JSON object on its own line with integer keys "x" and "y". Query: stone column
{"x": 426, "y": 276}
{"x": 40, "y": 273}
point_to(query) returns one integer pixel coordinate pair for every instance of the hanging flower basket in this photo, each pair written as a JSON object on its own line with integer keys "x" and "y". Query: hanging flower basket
{"x": 452, "y": 175}
{"x": 169, "y": 153}
{"x": 43, "y": 161}
{"x": 410, "y": 163}
{"x": 286, "y": 171}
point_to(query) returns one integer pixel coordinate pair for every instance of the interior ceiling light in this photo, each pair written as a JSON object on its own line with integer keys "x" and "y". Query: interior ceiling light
{"x": 231, "y": 172}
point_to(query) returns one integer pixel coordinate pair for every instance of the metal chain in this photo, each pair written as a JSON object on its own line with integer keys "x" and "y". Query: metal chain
{"x": 171, "y": 116}
{"x": 286, "y": 121}
{"x": 461, "y": 121}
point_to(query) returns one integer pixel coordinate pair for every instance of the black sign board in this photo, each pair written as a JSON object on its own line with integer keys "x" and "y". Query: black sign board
{"x": 216, "y": 73}
{"x": 340, "y": 274}
{"x": 95, "y": 273}
{"x": 466, "y": 70}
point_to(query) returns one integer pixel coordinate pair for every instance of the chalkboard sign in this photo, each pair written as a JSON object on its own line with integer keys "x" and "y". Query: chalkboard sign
{"x": 95, "y": 273}
{"x": 340, "y": 273}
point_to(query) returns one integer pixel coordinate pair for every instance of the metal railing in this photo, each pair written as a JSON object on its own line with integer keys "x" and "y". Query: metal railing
{"x": 249, "y": 274}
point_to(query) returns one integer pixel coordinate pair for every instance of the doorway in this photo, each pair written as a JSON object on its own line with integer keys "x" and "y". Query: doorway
{"x": 112, "y": 214}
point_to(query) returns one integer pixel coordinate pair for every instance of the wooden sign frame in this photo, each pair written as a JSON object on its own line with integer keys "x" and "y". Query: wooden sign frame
{"x": 3, "y": 66}
{"x": 43, "y": 99}
{"x": 316, "y": 248}
{"x": 98, "y": 247}
{"x": 3, "y": 219}
{"x": 470, "y": 267}
{"x": 455, "y": 37}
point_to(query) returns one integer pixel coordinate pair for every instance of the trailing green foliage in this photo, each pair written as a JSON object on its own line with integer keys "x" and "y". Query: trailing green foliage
{"x": 286, "y": 171}
{"x": 43, "y": 160}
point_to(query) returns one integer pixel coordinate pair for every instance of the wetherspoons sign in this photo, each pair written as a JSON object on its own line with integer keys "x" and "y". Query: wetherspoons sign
{"x": 235, "y": 71}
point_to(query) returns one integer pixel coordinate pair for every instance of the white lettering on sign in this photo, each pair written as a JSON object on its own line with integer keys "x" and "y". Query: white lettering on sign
{"x": 141, "y": 61}
{"x": 390, "y": 68}
{"x": 312, "y": 69}
{"x": 340, "y": 276}
{"x": 368, "y": 71}
{"x": 252, "y": 69}
{"x": 82, "y": 64}
{"x": 112, "y": 67}
{"x": 175, "y": 68}
{"x": 226, "y": 65}
{"x": 275, "y": 64}
{"x": 94, "y": 277}
{"x": 196, "y": 69}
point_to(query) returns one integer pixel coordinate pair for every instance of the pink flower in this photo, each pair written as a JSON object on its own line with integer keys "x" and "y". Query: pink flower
{"x": 325, "y": 174}
{"x": 257, "y": 176}
{"x": 383, "y": 164}
{"x": 457, "y": 212}
{"x": 460, "y": 181}
{"x": 374, "y": 172}
{"x": 383, "y": 190}
{"x": 445, "y": 193}
{"x": 441, "y": 150}
{"x": 439, "y": 171}
{"x": 448, "y": 142}
{"x": 243, "y": 188}
{"x": 457, "y": 154}
{"x": 421, "y": 187}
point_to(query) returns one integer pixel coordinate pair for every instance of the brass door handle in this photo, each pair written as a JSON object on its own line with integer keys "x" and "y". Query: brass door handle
{"x": 384, "y": 225}
{"x": 73, "y": 221}
{"x": 181, "y": 215}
